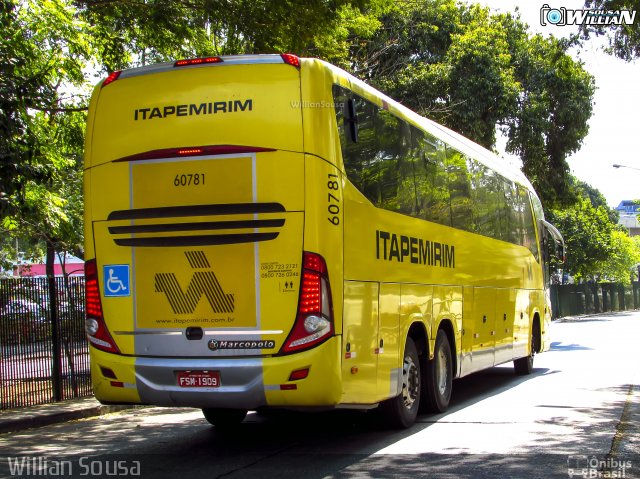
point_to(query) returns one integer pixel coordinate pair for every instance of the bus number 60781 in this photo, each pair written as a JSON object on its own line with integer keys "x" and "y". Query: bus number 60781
{"x": 334, "y": 202}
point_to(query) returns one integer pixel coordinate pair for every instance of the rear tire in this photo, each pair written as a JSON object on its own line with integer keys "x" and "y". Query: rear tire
{"x": 524, "y": 366}
{"x": 224, "y": 418}
{"x": 401, "y": 411}
{"x": 438, "y": 381}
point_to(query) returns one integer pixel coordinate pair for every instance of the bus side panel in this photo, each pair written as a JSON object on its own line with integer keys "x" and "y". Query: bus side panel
{"x": 390, "y": 360}
{"x": 447, "y": 306}
{"x": 505, "y": 315}
{"x": 466, "y": 344}
{"x": 483, "y": 328}
{"x": 360, "y": 342}
{"x": 521, "y": 323}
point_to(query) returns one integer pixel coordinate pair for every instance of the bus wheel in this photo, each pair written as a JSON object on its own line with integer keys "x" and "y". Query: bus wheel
{"x": 524, "y": 366}
{"x": 224, "y": 417}
{"x": 401, "y": 411}
{"x": 439, "y": 376}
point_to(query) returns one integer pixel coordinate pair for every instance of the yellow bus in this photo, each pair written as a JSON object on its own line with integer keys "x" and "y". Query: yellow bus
{"x": 268, "y": 231}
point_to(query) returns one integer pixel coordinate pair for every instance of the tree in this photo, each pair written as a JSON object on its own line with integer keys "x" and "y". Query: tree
{"x": 625, "y": 255}
{"x": 596, "y": 246}
{"x": 475, "y": 71}
{"x": 624, "y": 40}
{"x": 587, "y": 232}
{"x": 136, "y": 33}
{"x": 594, "y": 195}
{"x": 41, "y": 118}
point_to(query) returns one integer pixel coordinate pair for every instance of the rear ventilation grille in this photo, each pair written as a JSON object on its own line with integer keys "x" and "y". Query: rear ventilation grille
{"x": 150, "y": 234}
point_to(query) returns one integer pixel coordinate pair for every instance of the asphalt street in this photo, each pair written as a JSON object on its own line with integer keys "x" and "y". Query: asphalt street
{"x": 577, "y": 415}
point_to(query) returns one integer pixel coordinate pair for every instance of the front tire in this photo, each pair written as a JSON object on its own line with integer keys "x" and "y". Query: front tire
{"x": 224, "y": 418}
{"x": 438, "y": 381}
{"x": 524, "y": 366}
{"x": 401, "y": 411}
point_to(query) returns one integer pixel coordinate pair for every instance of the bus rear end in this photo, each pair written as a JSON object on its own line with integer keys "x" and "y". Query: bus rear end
{"x": 199, "y": 289}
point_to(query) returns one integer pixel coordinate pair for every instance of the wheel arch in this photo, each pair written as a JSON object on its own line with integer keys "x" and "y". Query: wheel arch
{"x": 418, "y": 333}
{"x": 536, "y": 331}
{"x": 447, "y": 326}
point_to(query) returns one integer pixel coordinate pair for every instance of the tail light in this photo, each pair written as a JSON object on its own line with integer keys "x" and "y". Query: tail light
{"x": 291, "y": 59}
{"x": 95, "y": 326}
{"x": 113, "y": 76}
{"x": 197, "y": 61}
{"x": 314, "y": 319}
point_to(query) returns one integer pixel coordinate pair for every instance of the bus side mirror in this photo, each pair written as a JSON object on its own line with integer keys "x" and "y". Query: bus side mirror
{"x": 351, "y": 120}
{"x": 559, "y": 248}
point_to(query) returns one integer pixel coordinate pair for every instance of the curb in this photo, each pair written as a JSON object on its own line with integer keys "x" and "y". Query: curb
{"x": 28, "y": 418}
{"x": 578, "y": 317}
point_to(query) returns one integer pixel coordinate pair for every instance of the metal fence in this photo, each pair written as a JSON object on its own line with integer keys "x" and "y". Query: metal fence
{"x": 40, "y": 363}
{"x": 589, "y": 298}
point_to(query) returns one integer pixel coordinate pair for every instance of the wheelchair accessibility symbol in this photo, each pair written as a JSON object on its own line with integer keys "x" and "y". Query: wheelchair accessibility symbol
{"x": 116, "y": 280}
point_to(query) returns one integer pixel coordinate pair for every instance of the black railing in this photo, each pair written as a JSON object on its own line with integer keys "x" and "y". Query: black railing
{"x": 589, "y": 298}
{"x": 34, "y": 369}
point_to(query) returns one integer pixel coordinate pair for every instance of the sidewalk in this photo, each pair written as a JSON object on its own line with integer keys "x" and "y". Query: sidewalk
{"x": 13, "y": 420}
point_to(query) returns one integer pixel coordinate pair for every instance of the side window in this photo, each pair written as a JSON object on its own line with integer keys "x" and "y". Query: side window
{"x": 487, "y": 194}
{"x": 396, "y": 185}
{"x": 511, "y": 214}
{"x": 430, "y": 178}
{"x": 378, "y": 163}
{"x": 529, "y": 228}
{"x": 401, "y": 168}
{"x": 459, "y": 183}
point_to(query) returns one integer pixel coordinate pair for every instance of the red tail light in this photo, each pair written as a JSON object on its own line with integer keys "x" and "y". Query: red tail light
{"x": 113, "y": 76}
{"x": 291, "y": 59}
{"x": 95, "y": 326}
{"x": 197, "y": 61}
{"x": 314, "y": 321}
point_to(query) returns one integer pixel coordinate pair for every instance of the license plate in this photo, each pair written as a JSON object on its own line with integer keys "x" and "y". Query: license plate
{"x": 198, "y": 379}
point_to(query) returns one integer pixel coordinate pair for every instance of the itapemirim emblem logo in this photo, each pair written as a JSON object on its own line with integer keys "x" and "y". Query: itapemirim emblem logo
{"x": 203, "y": 282}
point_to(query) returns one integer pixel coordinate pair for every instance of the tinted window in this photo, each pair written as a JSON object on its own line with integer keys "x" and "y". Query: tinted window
{"x": 401, "y": 168}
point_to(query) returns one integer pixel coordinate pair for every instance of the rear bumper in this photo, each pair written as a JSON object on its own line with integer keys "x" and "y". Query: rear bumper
{"x": 241, "y": 383}
{"x": 245, "y": 383}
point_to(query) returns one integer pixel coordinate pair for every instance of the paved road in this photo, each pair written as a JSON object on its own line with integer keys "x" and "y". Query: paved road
{"x": 581, "y": 405}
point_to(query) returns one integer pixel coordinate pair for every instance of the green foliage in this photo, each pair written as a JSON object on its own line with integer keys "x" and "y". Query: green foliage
{"x": 587, "y": 232}
{"x": 45, "y": 50}
{"x": 624, "y": 256}
{"x": 129, "y": 33}
{"x": 596, "y": 246}
{"x": 624, "y": 40}
{"x": 551, "y": 121}
{"x": 580, "y": 188}
{"x": 475, "y": 71}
